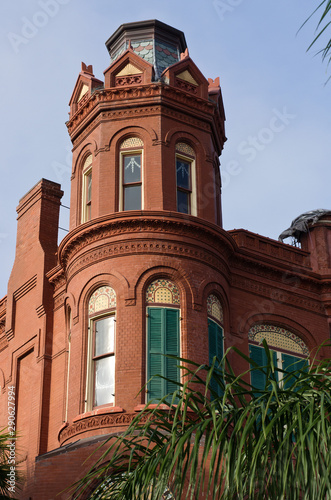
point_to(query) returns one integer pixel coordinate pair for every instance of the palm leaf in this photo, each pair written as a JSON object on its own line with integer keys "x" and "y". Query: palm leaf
{"x": 242, "y": 444}
{"x": 322, "y": 26}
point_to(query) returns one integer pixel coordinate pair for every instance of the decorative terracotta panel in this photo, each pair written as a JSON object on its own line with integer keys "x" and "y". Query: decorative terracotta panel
{"x": 163, "y": 292}
{"x": 121, "y": 81}
{"x": 132, "y": 142}
{"x": 279, "y": 338}
{"x": 184, "y": 148}
{"x": 214, "y": 308}
{"x": 187, "y": 86}
{"x": 87, "y": 162}
{"x": 102, "y": 299}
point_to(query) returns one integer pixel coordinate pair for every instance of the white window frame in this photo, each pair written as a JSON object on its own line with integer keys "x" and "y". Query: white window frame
{"x": 128, "y": 152}
{"x": 85, "y": 174}
{"x": 89, "y": 392}
{"x": 280, "y": 361}
{"x": 193, "y": 195}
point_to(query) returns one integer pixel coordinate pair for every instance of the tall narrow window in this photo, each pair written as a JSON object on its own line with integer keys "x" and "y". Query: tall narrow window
{"x": 87, "y": 189}
{"x": 100, "y": 387}
{"x": 163, "y": 302}
{"x": 288, "y": 351}
{"x": 131, "y": 174}
{"x": 185, "y": 179}
{"x": 215, "y": 336}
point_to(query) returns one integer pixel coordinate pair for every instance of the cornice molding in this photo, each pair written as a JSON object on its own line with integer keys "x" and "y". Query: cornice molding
{"x": 131, "y": 98}
{"x": 285, "y": 295}
{"x": 162, "y": 223}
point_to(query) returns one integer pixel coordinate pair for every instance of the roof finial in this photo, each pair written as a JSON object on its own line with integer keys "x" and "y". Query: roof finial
{"x": 87, "y": 69}
{"x": 184, "y": 55}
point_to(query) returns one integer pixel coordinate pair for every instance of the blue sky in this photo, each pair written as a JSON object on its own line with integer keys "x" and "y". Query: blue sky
{"x": 276, "y": 162}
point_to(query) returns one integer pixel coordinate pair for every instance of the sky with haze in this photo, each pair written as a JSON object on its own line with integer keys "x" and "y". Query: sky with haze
{"x": 276, "y": 162}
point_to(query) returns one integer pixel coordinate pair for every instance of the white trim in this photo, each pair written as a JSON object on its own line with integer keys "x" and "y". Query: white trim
{"x": 69, "y": 324}
{"x": 85, "y": 174}
{"x": 128, "y": 152}
{"x": 193, "y": 196}
{"x": 89, "y": 390}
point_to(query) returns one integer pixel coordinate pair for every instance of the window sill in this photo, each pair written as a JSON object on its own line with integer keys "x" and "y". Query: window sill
{"x": 99, "y": 411}
{"x": 150, "y": 407}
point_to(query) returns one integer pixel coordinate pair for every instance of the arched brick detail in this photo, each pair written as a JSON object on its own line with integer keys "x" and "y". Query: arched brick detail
{"x": 177, "y": 276}
{"x": 176, "y": 135}
{"x": 279, "y": 322}
{"x": 146, "y": 134}
{"x": 87, "y": 149}
{"x": 115, "y": 280}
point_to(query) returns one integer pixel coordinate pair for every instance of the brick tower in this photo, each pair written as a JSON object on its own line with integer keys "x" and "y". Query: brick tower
{"x": 145, "y": 217}
{"x": 145, "y": 209}
{"x": 146, "y": 268}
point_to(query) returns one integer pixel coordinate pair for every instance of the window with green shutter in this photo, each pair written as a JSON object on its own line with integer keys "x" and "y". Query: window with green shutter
{"x": 292, "y": 364}
{"x": 287, "y": 362}
{"x": 163, "y": 340}
{"x": 215, "y": 339}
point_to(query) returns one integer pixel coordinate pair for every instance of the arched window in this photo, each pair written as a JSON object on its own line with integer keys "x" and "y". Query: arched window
{"x": 100, "y": 387}
{"x": 185, "y": 179}
{"x": 288, "y": 350}
{"x": 87, "y": 189}
{"x": 163, "y": 302}
{"x": 215, "y": 333}
{"x": 131, "y": 174}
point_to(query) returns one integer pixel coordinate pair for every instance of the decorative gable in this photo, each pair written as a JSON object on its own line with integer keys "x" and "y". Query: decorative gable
{"x": 187, "y": 76}
{"x": 85, "y": 84}
{"x": 128, "y": 69}
{"x": 83, "y": 91}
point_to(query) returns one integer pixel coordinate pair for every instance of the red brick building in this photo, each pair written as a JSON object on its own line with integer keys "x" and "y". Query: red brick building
{"x": 146, "y": 266}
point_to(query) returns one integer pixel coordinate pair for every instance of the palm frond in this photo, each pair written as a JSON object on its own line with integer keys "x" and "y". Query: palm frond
{"x": 321, "y": 29}
{"x": 234, "y": 443}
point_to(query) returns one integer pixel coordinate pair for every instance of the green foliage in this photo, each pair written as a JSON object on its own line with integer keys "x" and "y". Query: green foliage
{"x": 323, "y": 25}
{"x": 240, "y": 442}
{"x": 5, "y": 467}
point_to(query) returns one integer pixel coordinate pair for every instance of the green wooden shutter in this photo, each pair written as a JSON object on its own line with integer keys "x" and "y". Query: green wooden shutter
{"x": 212, "y": 337}
{"x": 290, "y": 365}
{"x": 258, "y": 378}
{"x": 215, "y": 338}
{"x": 172, "y": 348}
{"x": 163, "y": 339}
{"x": 155, "y": 347}
{"x": 219, "y": 337}
{"x": 275, "y": 355}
